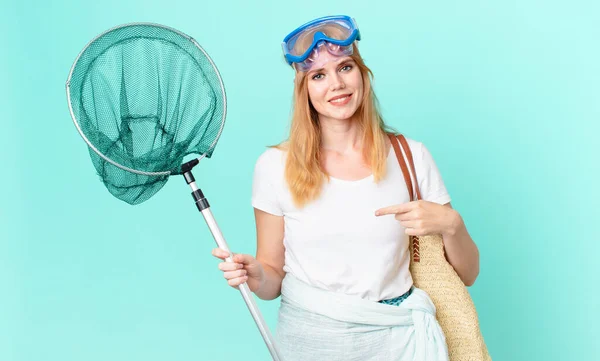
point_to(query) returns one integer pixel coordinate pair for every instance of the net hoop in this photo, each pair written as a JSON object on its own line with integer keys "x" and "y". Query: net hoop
{"x": 189, "y": 38}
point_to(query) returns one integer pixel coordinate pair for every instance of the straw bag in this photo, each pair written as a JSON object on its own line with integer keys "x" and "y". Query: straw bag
{"x": 431, "y": 272}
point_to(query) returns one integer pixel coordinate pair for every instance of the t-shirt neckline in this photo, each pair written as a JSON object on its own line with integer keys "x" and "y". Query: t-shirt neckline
{"x": 362, "y": 180}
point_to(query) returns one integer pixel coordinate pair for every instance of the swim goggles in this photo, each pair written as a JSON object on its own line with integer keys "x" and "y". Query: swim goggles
{"x": 302, "y": 45}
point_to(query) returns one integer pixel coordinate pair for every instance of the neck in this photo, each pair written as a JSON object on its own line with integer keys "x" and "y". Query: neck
{"x": 341, "y": 136}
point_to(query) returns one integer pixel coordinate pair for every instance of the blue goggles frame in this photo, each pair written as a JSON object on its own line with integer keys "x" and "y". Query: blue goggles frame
{"x": 319, "y": 37}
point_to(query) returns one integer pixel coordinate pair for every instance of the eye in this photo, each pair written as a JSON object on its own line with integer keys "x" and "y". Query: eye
{"x": 317, "y": 76}
{"x": 346, "y": 67}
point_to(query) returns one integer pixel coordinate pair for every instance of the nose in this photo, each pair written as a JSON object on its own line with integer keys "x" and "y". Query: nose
{"x": 336, "y": 82}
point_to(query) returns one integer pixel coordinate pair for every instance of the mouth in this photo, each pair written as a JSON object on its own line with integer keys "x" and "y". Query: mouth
{"x": 340, "y": 99}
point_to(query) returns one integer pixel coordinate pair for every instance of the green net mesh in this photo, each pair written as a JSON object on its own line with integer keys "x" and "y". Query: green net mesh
{"x": 145, "y": 96}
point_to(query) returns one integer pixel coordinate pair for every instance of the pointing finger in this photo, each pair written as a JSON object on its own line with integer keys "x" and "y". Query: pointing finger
{"x": 399, "y": 208}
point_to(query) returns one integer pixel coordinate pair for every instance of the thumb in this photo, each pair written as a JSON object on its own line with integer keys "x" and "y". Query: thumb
{"x": 245, "y": 259}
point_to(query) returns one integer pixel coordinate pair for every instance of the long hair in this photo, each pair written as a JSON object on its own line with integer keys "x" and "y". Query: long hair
{"x": 303, "y": 170}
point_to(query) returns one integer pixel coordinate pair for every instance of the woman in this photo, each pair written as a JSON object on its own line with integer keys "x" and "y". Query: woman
{"x": 333, "y": 217}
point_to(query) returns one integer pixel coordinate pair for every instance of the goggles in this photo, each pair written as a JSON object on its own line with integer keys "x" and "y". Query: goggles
{"x": 332, "y": 33}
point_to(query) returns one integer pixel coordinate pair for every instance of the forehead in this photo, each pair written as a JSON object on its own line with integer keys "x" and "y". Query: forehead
{"x": 325, "y": 61}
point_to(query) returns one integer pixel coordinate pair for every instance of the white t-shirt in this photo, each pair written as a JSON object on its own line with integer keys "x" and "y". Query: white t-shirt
{"x": 336, "y": 242}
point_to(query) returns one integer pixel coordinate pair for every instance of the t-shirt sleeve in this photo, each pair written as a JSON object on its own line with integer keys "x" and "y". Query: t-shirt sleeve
{"x": 430, "y": 180}
{"x": 264, "y": 190}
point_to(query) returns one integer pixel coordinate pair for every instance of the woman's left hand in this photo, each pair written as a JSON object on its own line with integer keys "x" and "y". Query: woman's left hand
{"x": 421, "y": 218}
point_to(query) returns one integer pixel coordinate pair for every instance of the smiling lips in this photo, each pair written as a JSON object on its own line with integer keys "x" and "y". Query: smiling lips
{"x": 340, "y": 99}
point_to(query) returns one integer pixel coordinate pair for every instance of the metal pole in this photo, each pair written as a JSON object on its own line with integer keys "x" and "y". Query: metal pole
{"x": 204, "y": 208}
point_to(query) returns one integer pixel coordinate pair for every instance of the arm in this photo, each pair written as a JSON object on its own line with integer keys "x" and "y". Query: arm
{"x": 420, "y": 218}
{"x": 461, "y": 251}
{"x": 270, "y": 253}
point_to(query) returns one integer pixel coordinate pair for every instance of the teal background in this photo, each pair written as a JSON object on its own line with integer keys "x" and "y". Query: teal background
{"x": 505, "y": 94}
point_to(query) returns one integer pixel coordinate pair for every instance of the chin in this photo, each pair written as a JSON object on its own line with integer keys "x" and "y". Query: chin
{"x": 344, "y": 116}
{"x": 340, "y": 114}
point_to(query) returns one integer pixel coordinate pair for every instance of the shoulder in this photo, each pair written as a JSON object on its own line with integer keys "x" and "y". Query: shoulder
{"x": 415, "y": 145}
{"x": 272, "y": 156}
{"x": 416, "y": 148}
{"x": 428, "y": 175}
{"x": 425, "y": 165}
{"x": 271, "y": 162}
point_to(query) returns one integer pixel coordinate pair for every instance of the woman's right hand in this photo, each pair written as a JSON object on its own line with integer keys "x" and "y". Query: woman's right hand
{"x": 244, "y": 268}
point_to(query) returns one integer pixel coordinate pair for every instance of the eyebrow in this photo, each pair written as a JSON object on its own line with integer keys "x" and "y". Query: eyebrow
{"x": 340, "y": 62}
